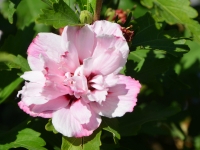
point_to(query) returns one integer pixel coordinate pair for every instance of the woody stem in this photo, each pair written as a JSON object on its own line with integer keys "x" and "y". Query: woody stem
{"x": 97, "y": 11}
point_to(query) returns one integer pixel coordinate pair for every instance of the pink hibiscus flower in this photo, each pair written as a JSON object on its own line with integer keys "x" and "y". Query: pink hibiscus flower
{"x": 75, "y": 78}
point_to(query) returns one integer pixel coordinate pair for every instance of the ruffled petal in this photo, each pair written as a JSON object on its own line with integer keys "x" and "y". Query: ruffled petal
{"x": 31, "y": 89}
{"x": 121, "y": 98}
{"x": 34, "y": 100}
{"x": 106, "y": 42}
{"x": 45, "y": 44}
{"x": 98, "y": 95}
{"x": 105, "y": 27}
{"x": 34, "y": 76}
{"x": 108, "y": 62}
{"x": 51, "y": 105}
{"x": 81, "y": 112}
{"x": 44, "y": 110}
{"x": 111, "y": 80}
{"x": 84, "y": 46}
{"x": 70, "y": 61}
{"x": 27, "y": 109}
{"x": 54, "y": 90}
{"x": 65, "y": 123}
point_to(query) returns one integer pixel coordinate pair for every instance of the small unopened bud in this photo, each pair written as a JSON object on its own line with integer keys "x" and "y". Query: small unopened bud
{"x": 86, "y": 17}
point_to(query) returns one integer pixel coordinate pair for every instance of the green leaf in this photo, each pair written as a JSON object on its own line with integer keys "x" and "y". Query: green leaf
{"x": 4, "y": 93}
{"x": 13, "y": 61}
{"x": 18, "y": 44}
{"x": 91, "y": 5}
{"x": 49, "y": 126}
{"x": 91, "y": 142}
{"x": 27, "y": 12}
{"x": 111, "y": 125}
{"x": 26, "y": 138}
{"x": 175, "y": 11}
{"x": 148, "y": 36}
{"x": 147, "y": 62}
{"x": 7, "y": 8}
{"x": 191, "y": 58}
{"x": 131, "y": 122}
{"x": 59, "y": 15}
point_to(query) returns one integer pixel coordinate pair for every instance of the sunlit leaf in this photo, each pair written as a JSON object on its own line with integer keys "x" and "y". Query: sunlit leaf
{"x": 27, "y": 12}
{"x": 59, "y": 15}
{"x": 91, "y": 142}
{"x": 148, "y": 36}
{"x": 7, "y": 8}
{"x": 26, "y": 138}
{"x": 49, "y": 127}
{"x": 13, "y": 61}
{"x": 176, "y": 11}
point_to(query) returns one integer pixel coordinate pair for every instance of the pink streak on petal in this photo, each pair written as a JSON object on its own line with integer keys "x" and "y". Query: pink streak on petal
{"x": 54, "y": 90}
{"x": 85, "y": 42}
{"x": 26, "y": 109}
{"x": 71, "y": 57}
{"x": 82, "y": 38}
{"x": 54, "y": 104}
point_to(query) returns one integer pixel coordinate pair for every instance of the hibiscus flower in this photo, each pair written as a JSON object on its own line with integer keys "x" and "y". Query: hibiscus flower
{"x": 75, "y": 78}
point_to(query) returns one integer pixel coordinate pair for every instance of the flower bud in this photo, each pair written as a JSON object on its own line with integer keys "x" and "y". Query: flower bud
{"x": 86, "y": 17}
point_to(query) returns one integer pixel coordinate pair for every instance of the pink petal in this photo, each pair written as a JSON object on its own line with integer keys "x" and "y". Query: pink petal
{"x": 121, "y": 98}
{"x": 27, "y": 110}
{"x": 70, "y": 60}
{"x": 54, "y": 104}
{"x": 98, "y": 95}
{"x": 105, "y": 27}
{"x": 108, "y": 62}
{"x": 45, "y": 44}
{"x": 111, "y": 80}
{"x": 94, "y": 123}
{"x": 54, "y": 90}
{"x": 34, "y": 100}
{"x": 44, "y": 110}
{"x": 83, "y": 39}
{"x": 79, "y": 84}
{"x": 81, "y": 112}
{"x": 65, "y": 123}
{"x": 106, "y": 42}
{"x": 34, "y": 76}
{"x": 32, "y": 89}
{"x": 52, "y": 67}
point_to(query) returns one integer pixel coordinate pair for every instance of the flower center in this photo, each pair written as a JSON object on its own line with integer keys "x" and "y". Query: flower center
{"x": 71, "y": 98}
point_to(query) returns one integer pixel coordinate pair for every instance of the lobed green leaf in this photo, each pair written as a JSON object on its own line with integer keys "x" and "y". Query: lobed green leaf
{"x": 175, "y": 12}
{"x": 91, "y": 142}
{"x": 27, "y": 12}
{"x": 59, "y": 15}
{"x": 7, "y": 8}
{"x": 26, "y": 138}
